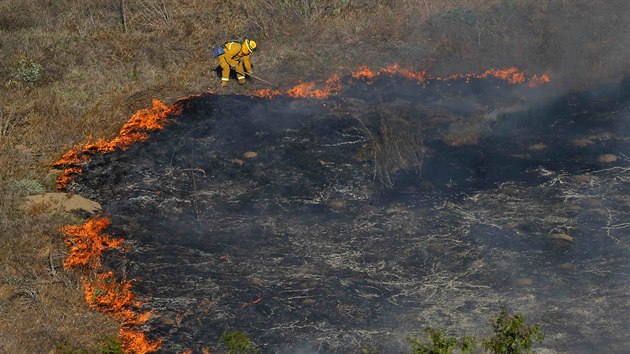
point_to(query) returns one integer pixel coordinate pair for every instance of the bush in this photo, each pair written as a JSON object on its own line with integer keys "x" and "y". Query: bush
{"x": 238, "y": 343}
{"x": 109, "y": 345}
{"x": 28, "y": 71}
{"x": 30, "y": 186}
{"x": 512, "y": 335}
{"x": 439, "y": 343}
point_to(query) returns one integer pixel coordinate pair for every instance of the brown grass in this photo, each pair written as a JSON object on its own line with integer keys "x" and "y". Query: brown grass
{"x": 98, "y": 70}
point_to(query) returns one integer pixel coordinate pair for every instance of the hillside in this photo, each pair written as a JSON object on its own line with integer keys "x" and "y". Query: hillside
{"x": 75, "y": 71}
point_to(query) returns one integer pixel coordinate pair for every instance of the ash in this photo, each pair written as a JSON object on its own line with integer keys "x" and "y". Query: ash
{"x": 332, "y": 225}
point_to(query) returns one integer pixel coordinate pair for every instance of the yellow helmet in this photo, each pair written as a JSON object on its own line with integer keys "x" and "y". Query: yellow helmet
{"x": 250, "y": 45}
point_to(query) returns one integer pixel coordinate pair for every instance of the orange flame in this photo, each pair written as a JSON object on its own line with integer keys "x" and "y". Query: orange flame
{"x": 539, "y": 80}
{"x": 137, "y": 342}
{"x": 135, "y": 130}
{"x": 363, "y": 72}
{"x": 267, "y": 93}
{"x": 333, "y": 85}
{"x": 104, "y": 292}
{"x": 87, "y": 243}
{"x": 512, "y": 75}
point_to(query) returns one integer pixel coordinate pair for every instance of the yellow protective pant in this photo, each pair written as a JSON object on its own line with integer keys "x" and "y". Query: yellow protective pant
{"x": 239, "y": 68}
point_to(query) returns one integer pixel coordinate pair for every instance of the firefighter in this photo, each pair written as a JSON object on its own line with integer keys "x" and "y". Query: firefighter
{"x": 236, "y": 57}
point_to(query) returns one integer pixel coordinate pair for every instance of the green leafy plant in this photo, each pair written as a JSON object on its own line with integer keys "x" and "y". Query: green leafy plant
{"x": 30, "y": 186}
{"x": 28, "y": 71}
{"x": 238, "y": 343}
{"x": 437, "y": 342}
{"x": 109, "y": 345}
{"x": 342, "y": 4}
{"x": 512, "y": 335}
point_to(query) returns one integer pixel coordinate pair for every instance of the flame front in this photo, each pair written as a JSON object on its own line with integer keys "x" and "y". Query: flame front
{"x": 135, "y": 130}
{"x": 334, "y": 85}
{"x": 104, "y": 291}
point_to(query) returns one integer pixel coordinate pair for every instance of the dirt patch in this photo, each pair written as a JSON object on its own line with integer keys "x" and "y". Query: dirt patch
{"x": 60, "y": 202}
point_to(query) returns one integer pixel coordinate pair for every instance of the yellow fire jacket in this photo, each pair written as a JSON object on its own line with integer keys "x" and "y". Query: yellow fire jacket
{"x": 234, "y": 57}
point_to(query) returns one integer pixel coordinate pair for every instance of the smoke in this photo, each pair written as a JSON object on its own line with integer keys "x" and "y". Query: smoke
{"x": 580, "y": 43}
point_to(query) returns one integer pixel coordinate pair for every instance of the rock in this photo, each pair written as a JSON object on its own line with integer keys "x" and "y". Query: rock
{"x": 537, "y": 147}
{"x": 583, "y": 178}
{"x": 257, "y": 282}
{"x": 606, "y": 158}
{"x": 336, "y": 204}
{"x": 250, "y": 155}
{"x": 582, "y": 142}
{"x": 60, "y": 202}
{"x": 568, "y": 266}
{"x": 324, "y": 163}
{"x": 524, "y": 281}
{"x": 562, "y": 236}
{"x": 237, "y": 162}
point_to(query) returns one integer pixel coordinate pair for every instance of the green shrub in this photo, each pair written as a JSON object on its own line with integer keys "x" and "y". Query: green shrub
{"x": 111, "y": 345}
{"x": 28, "y": 71}
{"x": 439, "y": 343}
{"x": 238, "y": 343}
{"x": 30, "y": 186}
{"x": 512, "y": 335}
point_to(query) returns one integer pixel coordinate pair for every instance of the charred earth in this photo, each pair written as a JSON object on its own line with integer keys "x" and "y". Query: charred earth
{"x": 326, "y": 225}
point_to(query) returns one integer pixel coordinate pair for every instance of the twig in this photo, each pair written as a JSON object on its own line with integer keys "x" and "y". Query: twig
{"x": 123, "y": 15}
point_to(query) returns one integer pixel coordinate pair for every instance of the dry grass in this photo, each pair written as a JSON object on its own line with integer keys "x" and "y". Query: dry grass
{"x": 396, "y": 144}
{"x": 100, "y": 64}
{"x": 41, "y": 305}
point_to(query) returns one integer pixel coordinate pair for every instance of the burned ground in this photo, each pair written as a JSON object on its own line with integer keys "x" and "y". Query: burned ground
{"x": 274, "y": 217}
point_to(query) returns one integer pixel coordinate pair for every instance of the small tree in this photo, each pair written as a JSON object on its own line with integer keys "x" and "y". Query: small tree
{"x": 512, "y": 335}
{"x": 439, "y": 343}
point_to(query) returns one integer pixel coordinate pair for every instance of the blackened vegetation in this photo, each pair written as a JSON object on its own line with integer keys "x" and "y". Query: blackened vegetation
{"x": 365, "y": 217}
